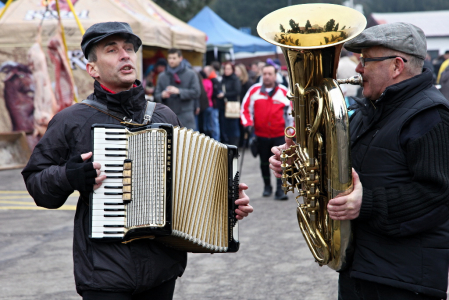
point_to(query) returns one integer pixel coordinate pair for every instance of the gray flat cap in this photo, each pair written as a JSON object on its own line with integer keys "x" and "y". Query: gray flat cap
{"x": 99, "y": 31}
{"x": 403, "y": 37}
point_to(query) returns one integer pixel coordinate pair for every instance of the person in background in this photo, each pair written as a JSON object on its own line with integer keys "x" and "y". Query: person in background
{"x": 148, "y": 82}
{"x": 230, "y": 91}
{"x": 254, "y": 71}
{"x": 202, "y": 104}
{"x": 242, "y": 74}
{"x": 211, "y": 120}
{"x": 267, "y": 110}
{"x": 159, "y": 67}
{"x": 178, "y": 87}
{"x": 346, "y": 69}
{"x": 217, "y": 68}
{"x": 443, "y": 66}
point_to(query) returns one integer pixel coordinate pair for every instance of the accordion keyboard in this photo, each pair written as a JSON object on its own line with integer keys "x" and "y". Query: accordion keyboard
{"x": 108, "y": 208}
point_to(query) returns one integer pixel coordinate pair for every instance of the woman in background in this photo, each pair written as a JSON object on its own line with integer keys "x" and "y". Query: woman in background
{"x": 242, "y": 74}
{"x": 231, "y": 88}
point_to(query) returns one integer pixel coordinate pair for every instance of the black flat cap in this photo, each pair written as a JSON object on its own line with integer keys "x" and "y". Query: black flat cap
{"x": 99, "y": 31}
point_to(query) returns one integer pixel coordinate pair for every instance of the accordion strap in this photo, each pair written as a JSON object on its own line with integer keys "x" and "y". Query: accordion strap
{"x": 121, "y": 117}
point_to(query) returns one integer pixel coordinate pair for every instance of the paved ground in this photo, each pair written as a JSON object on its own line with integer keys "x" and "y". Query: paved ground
{"x": 274, "y": 262}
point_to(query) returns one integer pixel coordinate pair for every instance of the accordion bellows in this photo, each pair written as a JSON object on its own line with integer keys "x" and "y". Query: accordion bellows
{"x": 170, "y": 184}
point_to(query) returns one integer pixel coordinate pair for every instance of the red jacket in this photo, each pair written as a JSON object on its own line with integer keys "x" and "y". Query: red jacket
{"x": 269, "y": 113}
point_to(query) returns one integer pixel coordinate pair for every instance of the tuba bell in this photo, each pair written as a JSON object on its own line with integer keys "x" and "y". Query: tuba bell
{"x": 318, "y": 165}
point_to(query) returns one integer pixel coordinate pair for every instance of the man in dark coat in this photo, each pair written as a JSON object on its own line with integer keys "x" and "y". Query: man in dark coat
{"x": 60, "y": 164}
{"x": 179, "y": 88}
{"x": 399, "y": 148}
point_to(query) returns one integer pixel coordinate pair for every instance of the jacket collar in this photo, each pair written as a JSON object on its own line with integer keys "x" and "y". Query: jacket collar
{"x": 131, "y": 103}
{"x": 263, "y": 89}
{"x": 393, "y": 96}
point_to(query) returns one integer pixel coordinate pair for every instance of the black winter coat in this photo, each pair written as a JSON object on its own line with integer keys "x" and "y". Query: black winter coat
{"x": 399, "y": 148}
{"x": 231, "y": 87}
{"x": 113, "y": 266}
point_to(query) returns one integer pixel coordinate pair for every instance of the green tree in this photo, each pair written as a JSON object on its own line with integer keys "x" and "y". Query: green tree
{"x": 282, "y": 28}
{"x": 329, "y": 25}
{"x": 336, "y": 27}
{"x": 308, "y": 25}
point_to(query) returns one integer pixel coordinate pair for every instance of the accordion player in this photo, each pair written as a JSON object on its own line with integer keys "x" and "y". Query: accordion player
{"x": 170, "y": 184}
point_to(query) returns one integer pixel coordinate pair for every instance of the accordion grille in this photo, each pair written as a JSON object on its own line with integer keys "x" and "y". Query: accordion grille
{"x": 147, "y": 150}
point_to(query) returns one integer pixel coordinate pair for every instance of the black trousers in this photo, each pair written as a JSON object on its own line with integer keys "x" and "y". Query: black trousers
{"x": 264, "y": 150}
{"x": 162, "y": 292}
{"x": 357, "y": 289}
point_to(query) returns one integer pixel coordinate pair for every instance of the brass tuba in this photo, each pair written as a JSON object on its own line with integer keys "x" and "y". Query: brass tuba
{"x": 318, "y": 165}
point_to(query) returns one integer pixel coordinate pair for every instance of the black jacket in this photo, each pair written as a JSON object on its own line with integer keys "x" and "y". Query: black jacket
{"x": 231, "y": 87}
{"x": 399, "y": 148}
{"x": 116, "y": 267}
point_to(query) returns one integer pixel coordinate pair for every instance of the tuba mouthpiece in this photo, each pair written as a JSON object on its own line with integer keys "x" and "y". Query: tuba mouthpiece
{"x": 355, "y": 80}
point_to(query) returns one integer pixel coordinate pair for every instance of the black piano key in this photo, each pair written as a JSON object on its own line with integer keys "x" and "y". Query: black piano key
{"x": 115, "y": 139}
{"x": 110, "y": 193}
{"x": 114, "y": 176}
{"x": 113, "y": 203}
{"x": 114, "y": 216}
{"x": 115, "y": 155}
{"x": 115, "y": 149}
{"x": 114, "y": 226}
{"x": 114, "y": 209}
{"x": 112, "y": 232}
{"x": 114, "y": 133}
{"x": 113, "y": 165}
{"x": 113, "y": 187}
{"x": 113, "y": 171}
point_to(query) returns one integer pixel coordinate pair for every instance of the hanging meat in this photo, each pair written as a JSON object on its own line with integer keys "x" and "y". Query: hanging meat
{"x": 45, "y": 105}
{"x": 64, "y": 84}
{"x": 19, "y": 95}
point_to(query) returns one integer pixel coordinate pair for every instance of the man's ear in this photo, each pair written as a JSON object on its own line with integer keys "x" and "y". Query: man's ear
{"x": 91, "y": 68}
{"x": 398, "y": 67}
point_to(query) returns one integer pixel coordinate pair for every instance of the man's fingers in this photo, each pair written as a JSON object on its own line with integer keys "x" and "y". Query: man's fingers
{"x": 243, "y": 186}
{"x": 96, "y": 165}
{"x": 100, "y": 179}
{"x": 338, "y": 201}
{"x": 86, "y": 156}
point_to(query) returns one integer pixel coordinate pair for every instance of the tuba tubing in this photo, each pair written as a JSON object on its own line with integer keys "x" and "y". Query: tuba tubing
{"x": 318, "y": 166}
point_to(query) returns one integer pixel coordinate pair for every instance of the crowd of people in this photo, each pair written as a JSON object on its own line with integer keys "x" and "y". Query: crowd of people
{"x": 201, "y": 101}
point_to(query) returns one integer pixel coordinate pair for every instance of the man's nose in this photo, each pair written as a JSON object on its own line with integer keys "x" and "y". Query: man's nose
{"x": 124, "y": 54}
{"x": 359, "y": 69}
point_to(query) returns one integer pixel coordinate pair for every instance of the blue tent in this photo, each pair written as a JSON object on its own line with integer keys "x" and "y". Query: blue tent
{"x": 222, "y": 35}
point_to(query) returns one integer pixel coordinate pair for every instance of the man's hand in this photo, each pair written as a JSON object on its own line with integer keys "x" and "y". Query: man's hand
{"x": 172, "y": 89}
{"x": 347, "y": 207}
{"x": 197, "y": 111}
{"x": 84, "y": 177}
{"x": 243, "y": 202}
{"x": 165, "y": 94}
{"x": 220, "y": 95}
{"x": 275, "y": 160}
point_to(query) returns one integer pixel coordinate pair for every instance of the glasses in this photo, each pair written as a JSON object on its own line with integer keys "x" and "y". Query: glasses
{"x": 363, "y": 60}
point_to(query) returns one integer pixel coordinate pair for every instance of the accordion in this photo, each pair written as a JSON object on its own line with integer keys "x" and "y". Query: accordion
{"x": 166, "y": 183}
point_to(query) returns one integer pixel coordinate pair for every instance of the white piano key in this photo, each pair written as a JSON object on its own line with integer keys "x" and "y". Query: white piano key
{"x": 101, "y": 235}
{"x": 101, "y": 212}
{"x": 108, "y": 159}
{"x": 103, "y": 197}
{"x": 97, "y": 223}
{"x": 103, "y": 129}
{"x": 99, "y": 206}
{"x": 102, "y": 218}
